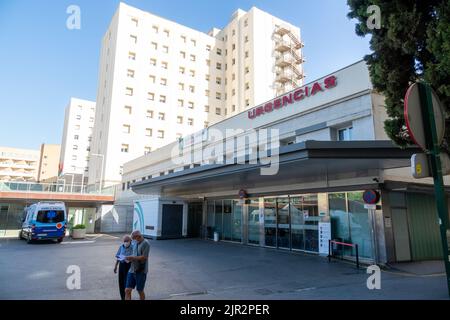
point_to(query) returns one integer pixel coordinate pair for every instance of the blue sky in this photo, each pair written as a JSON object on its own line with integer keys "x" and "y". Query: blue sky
{"x": 43, "y": 64}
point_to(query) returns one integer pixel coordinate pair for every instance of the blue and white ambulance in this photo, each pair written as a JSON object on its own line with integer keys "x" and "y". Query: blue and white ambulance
{"x": 44, "y": 221}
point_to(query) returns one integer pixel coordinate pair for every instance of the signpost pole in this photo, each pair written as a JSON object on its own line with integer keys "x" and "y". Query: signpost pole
{"x": 434, "y": 152}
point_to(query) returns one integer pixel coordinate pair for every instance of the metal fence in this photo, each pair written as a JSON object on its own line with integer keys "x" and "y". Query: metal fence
{"x": 59, "y": 187}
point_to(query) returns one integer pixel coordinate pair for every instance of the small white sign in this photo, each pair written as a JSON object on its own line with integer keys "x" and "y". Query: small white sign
{"x": 324, "y": 237}
{"x": 370, "y": 206}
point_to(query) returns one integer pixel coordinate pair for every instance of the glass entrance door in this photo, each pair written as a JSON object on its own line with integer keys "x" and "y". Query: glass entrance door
{"x": 237, "y": 222}
{"x": 283, "y": 224}
{"x": 227, "y": 220}
{"x": 305, "y": 222}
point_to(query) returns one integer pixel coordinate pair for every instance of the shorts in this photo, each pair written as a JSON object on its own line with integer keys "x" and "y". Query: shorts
{"x": 136, "y": 280}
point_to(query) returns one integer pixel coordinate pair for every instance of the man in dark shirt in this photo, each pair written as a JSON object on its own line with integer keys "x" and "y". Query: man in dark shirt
{"x": 137, "y": 275}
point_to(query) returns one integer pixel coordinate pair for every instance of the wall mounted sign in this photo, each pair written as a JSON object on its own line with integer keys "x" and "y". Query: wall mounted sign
{"x": 371, "y": 196}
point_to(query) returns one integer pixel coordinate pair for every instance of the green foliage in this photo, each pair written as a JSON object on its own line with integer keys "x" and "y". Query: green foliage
{"x": 79, "y": 226}
{"x": 412, "y": 44}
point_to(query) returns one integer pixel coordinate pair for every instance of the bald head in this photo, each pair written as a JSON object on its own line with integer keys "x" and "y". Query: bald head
{"x": 137, "y": 235}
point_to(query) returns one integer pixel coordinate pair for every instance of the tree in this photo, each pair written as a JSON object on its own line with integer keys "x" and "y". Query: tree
{"x": 412, "y": 44}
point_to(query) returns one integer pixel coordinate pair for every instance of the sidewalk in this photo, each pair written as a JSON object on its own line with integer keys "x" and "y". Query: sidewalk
{"x": 419, "y": 268}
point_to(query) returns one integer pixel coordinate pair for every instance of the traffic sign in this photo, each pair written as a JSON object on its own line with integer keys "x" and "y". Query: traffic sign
{"x": 414, "y": 116}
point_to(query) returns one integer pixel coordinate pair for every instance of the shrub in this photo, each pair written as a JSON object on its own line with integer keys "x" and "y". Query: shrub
{"x": 79, "y": 226}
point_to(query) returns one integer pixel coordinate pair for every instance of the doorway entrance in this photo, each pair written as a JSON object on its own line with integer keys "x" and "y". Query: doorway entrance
{"x": 195, "y": 213}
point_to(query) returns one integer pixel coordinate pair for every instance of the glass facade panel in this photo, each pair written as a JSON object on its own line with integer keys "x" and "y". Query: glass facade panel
{"x": 210, "y": 220}
{"x": 237, "y": 222}
{"x": 218, "y": 222}
{"x": 227, "y": 220}
{"x": 253, "y": 222}
{"x": 361, "y": 230}
{"x": 311, "y": 217}
{"x": 270, "y": 222}
{"x": 297, "y": 224}
{"x": 283, "y": 224}
{"x": 338, "y": 215}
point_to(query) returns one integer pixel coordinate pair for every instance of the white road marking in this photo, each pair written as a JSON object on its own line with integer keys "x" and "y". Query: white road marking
{"x": 75, "y": 242}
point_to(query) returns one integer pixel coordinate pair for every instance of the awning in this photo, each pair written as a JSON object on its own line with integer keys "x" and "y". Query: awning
{"x": 308, "y": 165}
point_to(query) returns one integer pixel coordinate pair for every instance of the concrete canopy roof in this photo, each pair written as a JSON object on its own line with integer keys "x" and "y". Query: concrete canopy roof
{"x": 303, "y": 162}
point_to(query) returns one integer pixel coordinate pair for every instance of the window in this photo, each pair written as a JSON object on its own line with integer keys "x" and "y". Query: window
{"x": 129, "y": 91}
{"x": 208, "y": 48}
{"x": 130, "y": 73}
{"x": 147, "y": 150}
{"x": 165, "y": 49}
{"x": 345, "y": 134}
{"x": 91, "y": 119}
{"x": 124, "y": 148}
{"x": 78, "y": 117}
{"x": 233, "y": 46}
{"x": 75, "y": 147}
{"x": 233, "y": 76}
{"x": 149, "y": 114}
{"x": 246, "y": 54}
{"x": 206, "y": 108}
{"x": 77, "y": 127}
{"x": 154, "y": 46}
{"x": 152, "y": 78}
{"x": 180, "y": 103}
{"x": 246, "y": 39}
{"x": 247, "y": 86}
{"x": 179, "y": 119}
{"x": 50, "y": 216}
{"x": 161, "y": 134}
{"x": 218, "y": 66}
{"x": 218, "y": 96}
{"x": 218, "y": 80}
{"x": 161, "y": 116}
{"x": 194, "y": 43}
{"x": 183, "y": 54}
{"x": 164, "y": 65}
{"x": 131, "y": 55}
{"x": 247, "y": 102}
{"x": 190, "y": 122}
{"x": 207, "y": 77}
{"x": 191, "y": 105}
{"x": 163, "y": 82}
{"x": 181, "y": 86}
{"x": 247, "y": 69}
{"x": 245, "y": 22}
{"x": 133, "y": 38}
{"x": 191, "y": 89}
{"x": 233, "y": 61}
{"x": 153, "y": 62}
{"x": 193, "y": 57}
{"x": 208, "y": 62}
{"x": 150, "y": 96}
{"x": 218, "y": 111}
{"x": 219, "y": 51}
{"x": 148, "y": 132}
{"x": 233, "y": 92}
{"x": 182, "y": 70}
{"x": 155, "y": 29}
{"x": 162, "y": 99}
{"x": 207, "y": 93}
{"x": 233, "y": 32}
{"x": 233, "y": 108}
{"x": 135, "y": 21}
{"x": 206, "y": 124}
{"x": 126, "y": 128}
{"x": 167, "y": 33}
{"x": 192, "y": 73}
{"x": 128, "y": 109}
{"x": 183, "y": 38}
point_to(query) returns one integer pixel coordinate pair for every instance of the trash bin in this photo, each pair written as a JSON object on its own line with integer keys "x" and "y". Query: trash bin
{"x": 216, "y": 236}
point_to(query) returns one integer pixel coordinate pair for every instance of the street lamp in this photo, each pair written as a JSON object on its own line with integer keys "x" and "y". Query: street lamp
{"x": 101, "y": 174}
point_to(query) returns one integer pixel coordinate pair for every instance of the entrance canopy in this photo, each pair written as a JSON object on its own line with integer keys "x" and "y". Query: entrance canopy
{"x": 307, "y": 166}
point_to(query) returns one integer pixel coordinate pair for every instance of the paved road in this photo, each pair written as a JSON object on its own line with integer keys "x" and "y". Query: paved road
{"x": 196, "y": 269}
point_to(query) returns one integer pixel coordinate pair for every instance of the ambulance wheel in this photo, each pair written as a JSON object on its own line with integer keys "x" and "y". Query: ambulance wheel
{"x": 60, "y": 240}
{"x": 29, "y": 240}
{"x": 20, "y": 235}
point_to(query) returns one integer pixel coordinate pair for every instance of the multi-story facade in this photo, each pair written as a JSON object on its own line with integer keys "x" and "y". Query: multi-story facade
{"x": 48, "y": 163}
{"x": 160, "y": 81}
{"x": 77, "y": 135}
{"x": 18, "y": 164}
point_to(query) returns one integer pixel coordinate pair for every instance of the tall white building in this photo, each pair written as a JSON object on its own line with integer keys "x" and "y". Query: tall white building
{"x": 77, "y": 135}
{"x": 159, "y": 80}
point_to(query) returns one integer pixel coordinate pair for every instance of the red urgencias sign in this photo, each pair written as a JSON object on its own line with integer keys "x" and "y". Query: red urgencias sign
{"x": 295, "y": 96}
